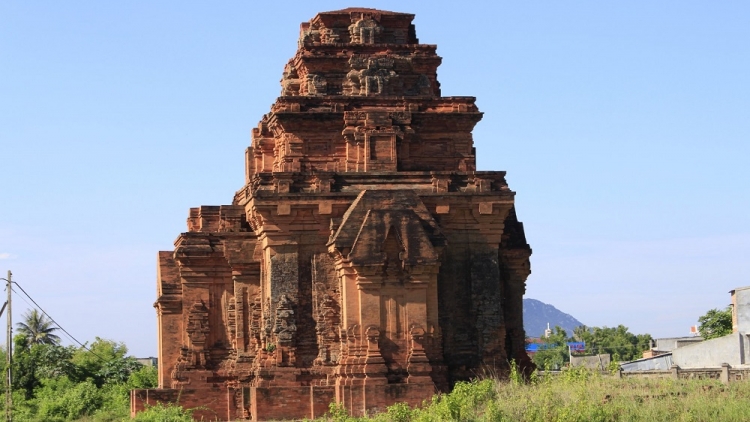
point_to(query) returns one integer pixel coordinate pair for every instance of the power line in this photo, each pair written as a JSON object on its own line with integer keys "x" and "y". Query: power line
{"x": 32, "y": 306}
{"x": 22, "y": 298}
{"x": 58, "y": 325}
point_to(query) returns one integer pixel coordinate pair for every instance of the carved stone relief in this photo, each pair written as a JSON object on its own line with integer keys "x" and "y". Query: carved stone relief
{"x": 329, "y": 36}
{"x": 369, "y": 76}
{"x": 328, "y": 316}
{"x": 316, "y": 84}
{"x": 308, "y": 36}
{"x": 290, "y": 82}
{"x": 256, "y": 320}
{"x": 198, "y": 330}
{"x": 232, "y": 321}
{"x": 364, "y": 31}
{"x": 285, "y": 327}
{"x": 197, "y": 327}
{"x": 179, "y": 373}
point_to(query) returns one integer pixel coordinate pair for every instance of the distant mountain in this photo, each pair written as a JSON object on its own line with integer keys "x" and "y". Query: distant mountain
{"x": 537, "y": 314}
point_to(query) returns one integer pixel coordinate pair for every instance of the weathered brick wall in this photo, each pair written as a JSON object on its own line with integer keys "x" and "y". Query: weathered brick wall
{"x": 365, "y": 261}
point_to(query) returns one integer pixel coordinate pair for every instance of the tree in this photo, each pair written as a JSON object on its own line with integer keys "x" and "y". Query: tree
{"x": 553, "y": 352}
{"x": 616, "y": 341}
{"x": 105, "y": 361}
{"x": 63, "y": 383}
{"x": 34, "y": 362}
{"x": 37, "y": 329}
{"x": 715, "y": 323}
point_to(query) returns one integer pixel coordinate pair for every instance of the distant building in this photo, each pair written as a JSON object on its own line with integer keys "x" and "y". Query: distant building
{"x": 660, "y": 362}
{"x": 693, "y": 352}
{"x": 661, "y": 346}
{"x": 600, "y": 361}
{"x": 733, "y": 349}
{"x": 740, "y": 309}
{"x": 148, "y": 361}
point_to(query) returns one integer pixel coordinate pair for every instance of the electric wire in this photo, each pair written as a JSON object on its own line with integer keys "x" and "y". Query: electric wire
{"x": 58, "y": 325}
{"x": 22, "y": 298}
{"x": 31, "y": 306}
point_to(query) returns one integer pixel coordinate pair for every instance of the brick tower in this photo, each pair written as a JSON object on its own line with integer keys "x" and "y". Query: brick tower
{"x": 364, "y": 262}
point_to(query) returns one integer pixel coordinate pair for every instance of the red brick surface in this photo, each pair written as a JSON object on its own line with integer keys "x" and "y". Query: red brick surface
{"x": 364, "y": 262}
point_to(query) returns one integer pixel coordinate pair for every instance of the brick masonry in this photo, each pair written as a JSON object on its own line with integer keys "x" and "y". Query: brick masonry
{"x": 364, "y": 262}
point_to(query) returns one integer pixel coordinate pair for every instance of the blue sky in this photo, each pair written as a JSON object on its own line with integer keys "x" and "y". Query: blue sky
{"x": 624, "y": 128}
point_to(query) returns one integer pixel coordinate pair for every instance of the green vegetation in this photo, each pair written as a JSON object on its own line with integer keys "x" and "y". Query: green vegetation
{"x": 576, "y": 395}
{"x": 91, "y": 384}
{"x": 55, "y": 383}
{"x": 715, "y": 323}
{"x": 620, "y": 343}
{"x": 161, "y": 413}
{"x": 37, "y": 329}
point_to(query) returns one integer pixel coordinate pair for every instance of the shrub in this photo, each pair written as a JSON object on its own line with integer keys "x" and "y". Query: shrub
{"x": 164, "y": 413}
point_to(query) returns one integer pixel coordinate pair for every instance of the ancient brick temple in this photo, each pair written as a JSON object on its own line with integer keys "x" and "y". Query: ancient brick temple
{"x": 364, "y": 262}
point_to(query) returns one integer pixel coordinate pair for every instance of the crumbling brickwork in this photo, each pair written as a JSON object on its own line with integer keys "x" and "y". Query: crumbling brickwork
{"x": 365, "y": 261}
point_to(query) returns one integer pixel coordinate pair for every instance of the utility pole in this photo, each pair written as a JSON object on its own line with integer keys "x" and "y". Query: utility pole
{"x": 9, "y": 358}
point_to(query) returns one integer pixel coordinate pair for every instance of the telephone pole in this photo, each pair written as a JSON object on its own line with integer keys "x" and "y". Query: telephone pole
{"x": 9, "y": 358}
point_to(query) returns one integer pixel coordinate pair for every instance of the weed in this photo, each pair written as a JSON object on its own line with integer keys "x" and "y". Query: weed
{"x": 574, "y": 395}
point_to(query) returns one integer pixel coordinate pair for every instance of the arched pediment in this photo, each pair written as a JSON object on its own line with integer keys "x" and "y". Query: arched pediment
{"x": 377, "y": 216}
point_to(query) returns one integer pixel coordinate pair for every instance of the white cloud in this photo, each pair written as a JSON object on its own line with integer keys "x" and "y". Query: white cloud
{"x": 6, "y": 255}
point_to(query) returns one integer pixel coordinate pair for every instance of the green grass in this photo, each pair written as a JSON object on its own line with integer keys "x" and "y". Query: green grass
{"x": 578, "y": 395}
{"x": 574, "y": 395}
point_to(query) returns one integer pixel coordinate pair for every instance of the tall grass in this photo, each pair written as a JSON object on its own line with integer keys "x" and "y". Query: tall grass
{"x": 578, "y": 395}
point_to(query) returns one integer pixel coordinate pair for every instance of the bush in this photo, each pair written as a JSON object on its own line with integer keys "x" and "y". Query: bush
{"x": 575, "y": 395}
{"x": 62, "y": 400}
{"x": 162, "y": 413}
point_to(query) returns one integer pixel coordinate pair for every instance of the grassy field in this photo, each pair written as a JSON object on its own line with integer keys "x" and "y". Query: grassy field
{"x": 578, "y": 395}
{"x": 573, "y": 395}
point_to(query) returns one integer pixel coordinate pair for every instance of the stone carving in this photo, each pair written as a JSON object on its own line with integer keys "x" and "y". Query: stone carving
{"x": 290, "y": 82}
{"x": 232, "y": 321}
{"x": 378, "y": 134}
{"x": 285, "y": 327}
{"x": 256, "y": 320}
{"x": 197, "y": 327}
{"x": 329, "y": 36}
{"x": 308, "y": 36}
{"x": 364, "y": 31}
{"x": 178, "y": 374}
{"x": 370, "y": 76}
{"x": 197, "y": 331}
{"x": 316, "y": 84}
{"x": 327, "y": 326}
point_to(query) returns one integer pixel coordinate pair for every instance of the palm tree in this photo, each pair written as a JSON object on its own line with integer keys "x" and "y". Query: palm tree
{"x": 37, "y": 328}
